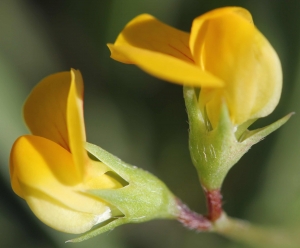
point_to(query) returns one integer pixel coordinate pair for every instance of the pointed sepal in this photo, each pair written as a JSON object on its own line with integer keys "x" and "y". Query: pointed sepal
{"x": 215, "y": 150}
{"x": 254, "y": 136}
{"x": 102, "y": 228}
{"x": 143, "y": 198}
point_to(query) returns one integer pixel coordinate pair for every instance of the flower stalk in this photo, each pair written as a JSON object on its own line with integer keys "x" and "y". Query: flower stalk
{"x": 256, "y": 236}
{"x": 238, "y": 230}
{"x": 214, "y": 204}
{"x": 192, "y": 220}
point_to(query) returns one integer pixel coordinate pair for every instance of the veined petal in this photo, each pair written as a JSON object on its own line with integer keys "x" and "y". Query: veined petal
{"x": 75, "y": 122}
{"x": 167, "y": 67}
{"x": 45, "y": 108}
{"x": 54, "y": 110}
{"x": 235, "y": 51}
{"x": 146, "y": 32}
{"x": 38, "y": 164}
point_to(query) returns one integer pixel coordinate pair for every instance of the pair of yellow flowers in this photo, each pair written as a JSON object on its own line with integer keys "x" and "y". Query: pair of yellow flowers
{"x": 224, "y": 55}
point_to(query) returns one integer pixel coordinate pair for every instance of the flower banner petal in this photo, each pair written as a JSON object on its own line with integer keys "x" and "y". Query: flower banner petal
{"x": 146, "y": 32}
{"x": 45, "y": 108}
{"x": 167, "y": 67}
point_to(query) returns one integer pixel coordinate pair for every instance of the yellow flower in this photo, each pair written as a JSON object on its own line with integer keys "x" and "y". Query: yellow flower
{"x": 224, "y": 54}
{"x": 50, "y": 169}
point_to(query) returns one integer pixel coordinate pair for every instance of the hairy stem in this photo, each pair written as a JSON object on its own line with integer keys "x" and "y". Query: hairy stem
{"x": 214, "y": 204}
{"x": 191, "y": 219}
{"x": 238, "y": 230}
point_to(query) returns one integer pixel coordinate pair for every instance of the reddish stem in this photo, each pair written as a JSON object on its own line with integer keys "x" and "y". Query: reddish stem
{"x": 191, "y": 219}
{"x": 214, "y": 204}
{"x": 199, "y": 222}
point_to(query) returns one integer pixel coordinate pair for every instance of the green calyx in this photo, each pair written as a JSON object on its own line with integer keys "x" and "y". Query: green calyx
{"x": 145, "y": 197}
{"x": 215, "y": 151}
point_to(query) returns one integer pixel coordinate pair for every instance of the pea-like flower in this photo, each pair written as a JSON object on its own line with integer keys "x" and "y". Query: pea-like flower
{"x": 238, "y": 73}
{"x": 50, "y": 169}
{"x": 224, "y": 54}
{"x": 72, "y": 185}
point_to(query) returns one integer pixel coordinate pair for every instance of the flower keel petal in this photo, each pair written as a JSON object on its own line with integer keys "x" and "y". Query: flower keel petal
{"x": 62, "y": 218}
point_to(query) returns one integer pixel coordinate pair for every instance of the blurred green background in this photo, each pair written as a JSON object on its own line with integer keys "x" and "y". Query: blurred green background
{"x": 141, "y": 119}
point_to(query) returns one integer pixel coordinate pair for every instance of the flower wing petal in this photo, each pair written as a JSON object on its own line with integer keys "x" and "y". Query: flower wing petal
{"x": 146, "y": 32}
{"x": 167, "y": 67}
{"x": 43, "y": 169}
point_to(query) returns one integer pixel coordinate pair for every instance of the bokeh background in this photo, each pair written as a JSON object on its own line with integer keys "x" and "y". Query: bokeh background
{"x": 141, "y": 119}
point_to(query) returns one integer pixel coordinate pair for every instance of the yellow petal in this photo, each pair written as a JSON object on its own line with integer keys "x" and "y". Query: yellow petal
{"x": 167, "y": 67}
{"x": 28, "y": 164}
{"x": 146, "y": 32}
{"x": 45, "y": 108}
{"x": 15, "y": 184}
{"x": 96, "y": 179}
{"x": 37, "y": 161}
{"x": 41, "y": 165}
{"x": 199, "y": 27}
{"x": 211, "y": 100}
{"x": 54, "y": 110}
{"x": 75, "y": 121}
{"x": 231, "y": 48}
{"x": 61, "y": 217}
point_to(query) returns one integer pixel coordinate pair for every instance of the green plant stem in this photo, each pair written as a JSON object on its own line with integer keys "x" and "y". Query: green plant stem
{"x": 245, "y": 232}
{"x": 238, "y": 230}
